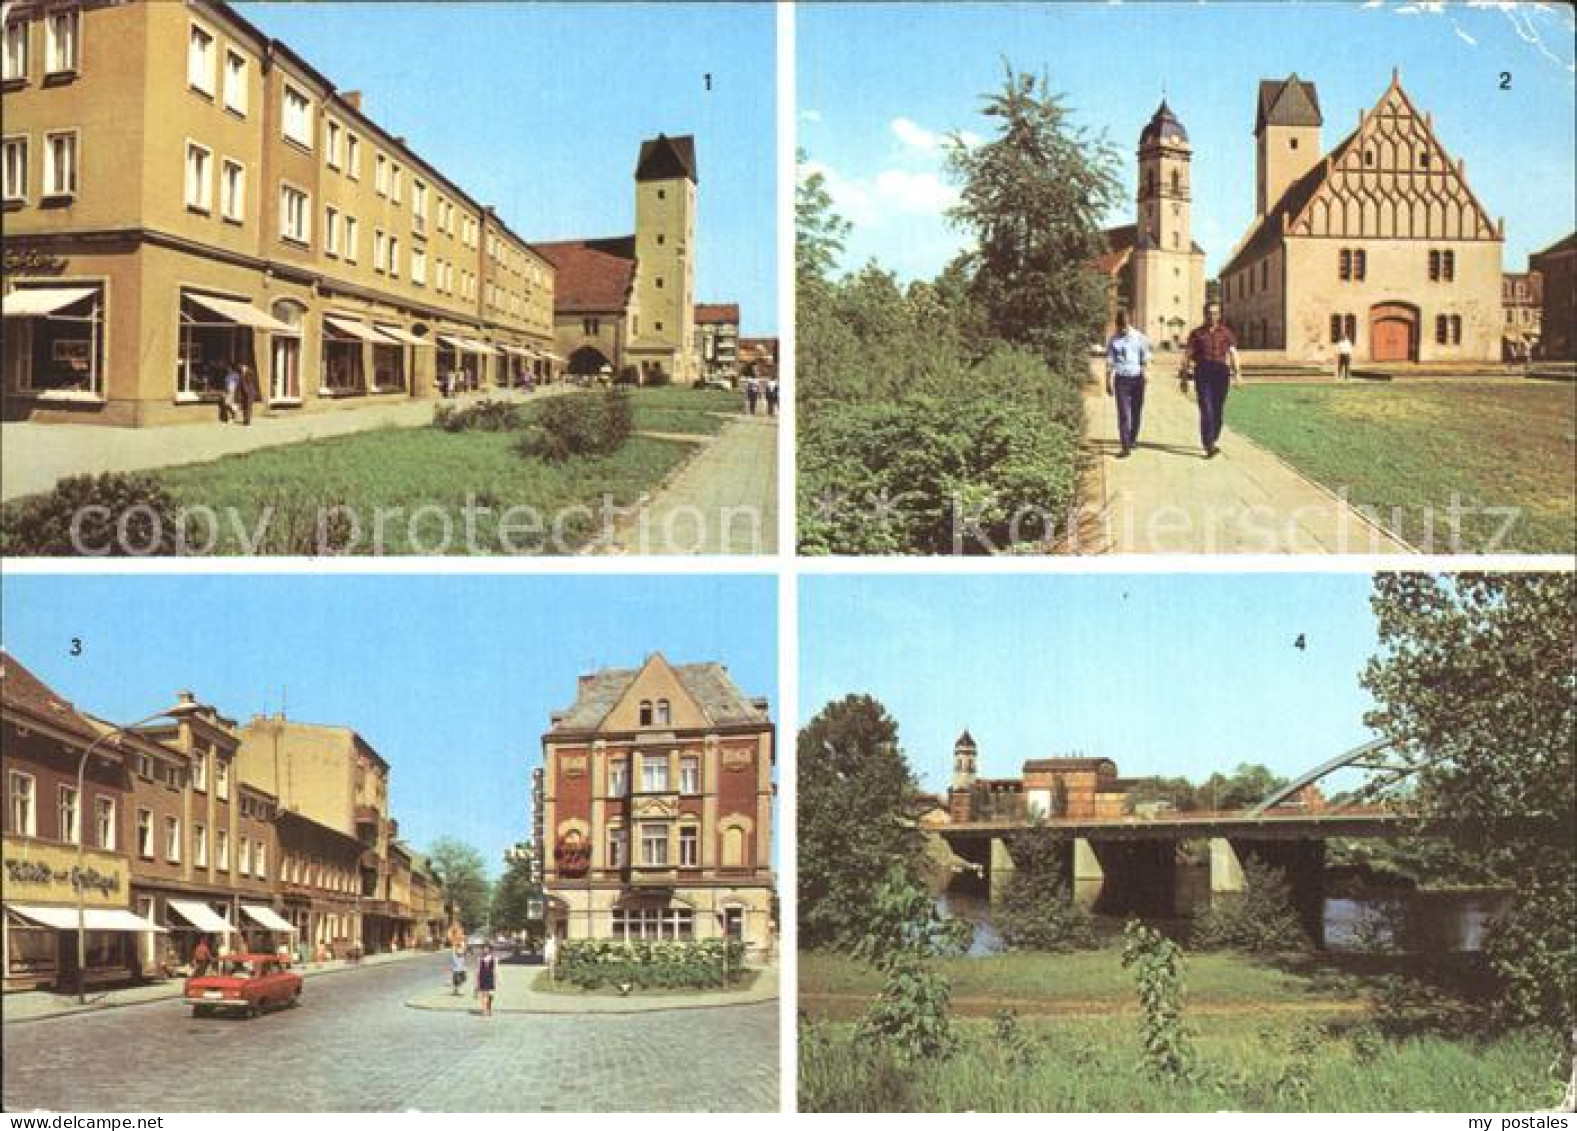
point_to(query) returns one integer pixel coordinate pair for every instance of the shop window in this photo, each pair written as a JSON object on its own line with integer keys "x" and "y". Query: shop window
{"x": 342, "y": 362}
{"x": 388, "y": 368}
{"x": 209, "y": 346}
{"x": 284, "y": 381}
{"x": 31, "y": 950}
{"x": 61, "y": 353}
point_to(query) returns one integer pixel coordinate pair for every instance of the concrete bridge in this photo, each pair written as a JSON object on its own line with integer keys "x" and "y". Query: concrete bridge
{"x": 1173, "y": 864}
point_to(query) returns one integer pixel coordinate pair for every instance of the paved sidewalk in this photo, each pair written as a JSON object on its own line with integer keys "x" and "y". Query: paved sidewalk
{"x": 516, "y": 995}
{"x": 34, "y": 456}
{"x": 37, "y": 1005}
{"x": 1167, "y": 498}
{"x": 723, "y": 501}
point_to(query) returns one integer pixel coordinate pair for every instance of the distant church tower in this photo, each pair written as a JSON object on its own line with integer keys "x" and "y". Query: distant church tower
{"x": 665, "y": 206}
{"x": 964, "y": 752}
{"x": 1168, "y": 290}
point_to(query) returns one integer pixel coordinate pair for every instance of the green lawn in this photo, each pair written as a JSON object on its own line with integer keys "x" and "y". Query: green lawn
{"x": 683, "y": 410}
{"x": 1293, "y": 1035}
{"x": 1405, "y": 449}
{"x": 422, "y": 480}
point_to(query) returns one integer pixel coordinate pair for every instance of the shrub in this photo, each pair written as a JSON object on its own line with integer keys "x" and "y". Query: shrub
{"x": 482, "y": 416}
{"x": 595, "y": 424}
{"x": 118, "y": 515}
{"x": 658, "y": 378}
{"x": 648, "y": 964}
{"x": 1040, "y": 913}
{"x": 1260, "y": 920}
{"x": 1157, "y": 964}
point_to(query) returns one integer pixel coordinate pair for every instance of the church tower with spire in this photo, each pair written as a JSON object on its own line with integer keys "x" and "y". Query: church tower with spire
{"x": 1168, "y": 286}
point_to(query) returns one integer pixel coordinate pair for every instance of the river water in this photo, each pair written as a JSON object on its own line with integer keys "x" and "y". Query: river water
{"x": 1424, "y": 920}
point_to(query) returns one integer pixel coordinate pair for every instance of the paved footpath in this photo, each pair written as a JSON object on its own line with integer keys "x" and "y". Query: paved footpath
{"x": 1167, "y": 498}
{"x": 724, "y": 501}
{"x": 33, "y": 456}
{"x": 354, "y": 1045}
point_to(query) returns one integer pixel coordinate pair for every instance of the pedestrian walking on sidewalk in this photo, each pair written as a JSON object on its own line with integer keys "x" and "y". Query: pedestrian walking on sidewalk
{"x": 1212, "y": 364}
{"x": 456, "y": 970}
{"x": 1344, "y": 357}
{"x": 1127, "y": 355}
{"x": 487, "y": 978}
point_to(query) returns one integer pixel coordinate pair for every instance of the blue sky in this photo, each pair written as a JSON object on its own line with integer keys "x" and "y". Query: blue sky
{"x": 540, "y": 109}
{"x": 1176, "y": 674}
{"x": 450, "y": 679}
{"x": 872, "y": 119}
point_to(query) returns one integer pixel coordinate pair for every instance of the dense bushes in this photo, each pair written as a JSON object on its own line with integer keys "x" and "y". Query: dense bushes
{"x": 1260, "y": 920}
{"x": 605, "y": 964}
{"x": 594, "y": 424}
{"x": 483, "y": 416}
{"x": 115, "y": 515}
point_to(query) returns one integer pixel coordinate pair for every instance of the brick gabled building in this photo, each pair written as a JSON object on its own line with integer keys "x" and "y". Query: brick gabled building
{"x": 657, "y": 807}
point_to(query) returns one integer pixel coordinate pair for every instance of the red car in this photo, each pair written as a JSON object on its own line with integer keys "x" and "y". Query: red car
{"x": 244, "y": 983}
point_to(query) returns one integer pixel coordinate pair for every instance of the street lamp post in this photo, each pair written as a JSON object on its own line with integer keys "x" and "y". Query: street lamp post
{"x": 188, "y": 705}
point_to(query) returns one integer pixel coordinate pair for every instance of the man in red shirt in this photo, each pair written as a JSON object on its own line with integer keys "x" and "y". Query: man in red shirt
{"x": 1212, "y": 364}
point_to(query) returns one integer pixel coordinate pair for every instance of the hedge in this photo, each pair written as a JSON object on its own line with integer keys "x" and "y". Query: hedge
{"x": 594, "y": 964}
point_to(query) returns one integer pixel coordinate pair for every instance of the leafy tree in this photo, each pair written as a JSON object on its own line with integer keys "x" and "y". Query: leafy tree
{"x": 819, "y": 232}
{"x": 855, "y": 794}
{"x": 513, "y": 892}
{"x": 1259, "y": 920}
{"x": 1243, "y": 788}
{"x": 1474, "y": 684}
{"x": 1034, "y": 197}
{"x": 459, "y": 867}
{"x": 1038, "y": 911}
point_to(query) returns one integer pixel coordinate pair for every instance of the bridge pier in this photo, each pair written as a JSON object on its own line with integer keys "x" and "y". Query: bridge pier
{"x": 1226, "y": 868}
{"x": 1089, "y": 877}
{"x": 1001, "y": 869}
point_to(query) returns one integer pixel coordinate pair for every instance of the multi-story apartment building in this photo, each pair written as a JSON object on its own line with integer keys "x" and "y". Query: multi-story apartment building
{"x": 717, "y": 339}
{"x": 204, "y": 847}
{"x": 332, "y": 777}
{"x": 657, "y": 807}
{"x": 1556, "y": 267}
{"x": 46, "y": 819}
{"x": 183, "y": 192}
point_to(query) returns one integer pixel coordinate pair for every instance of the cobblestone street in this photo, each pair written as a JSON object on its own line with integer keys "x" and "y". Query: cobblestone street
{"x": 354, "y": 1046}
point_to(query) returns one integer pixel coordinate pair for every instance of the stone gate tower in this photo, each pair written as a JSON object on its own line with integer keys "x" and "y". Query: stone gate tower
{"x": 665, "y": 206}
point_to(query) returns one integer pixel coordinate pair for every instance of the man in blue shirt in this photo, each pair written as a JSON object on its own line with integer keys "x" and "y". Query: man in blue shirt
{"x": 1127, "y": 354}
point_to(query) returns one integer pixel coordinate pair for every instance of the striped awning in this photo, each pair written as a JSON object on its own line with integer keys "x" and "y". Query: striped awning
{"x": 241, "y": 313}
{"x": 356, "y": 330}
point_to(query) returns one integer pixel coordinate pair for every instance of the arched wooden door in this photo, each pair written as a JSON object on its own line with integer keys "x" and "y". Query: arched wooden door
{"x": 1393, "y": 332}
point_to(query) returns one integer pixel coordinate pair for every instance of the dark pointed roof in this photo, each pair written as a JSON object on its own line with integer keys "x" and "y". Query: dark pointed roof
{"x": 663, "y": 158}
{"x": 709, "y": 684}
{"x": 965, "y": 739}
{"x": 1162, "y": 122}
{"x": 1288, "y": 102}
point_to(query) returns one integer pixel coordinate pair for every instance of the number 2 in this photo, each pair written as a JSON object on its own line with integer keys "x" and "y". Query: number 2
{"x": 1505, "y": 80}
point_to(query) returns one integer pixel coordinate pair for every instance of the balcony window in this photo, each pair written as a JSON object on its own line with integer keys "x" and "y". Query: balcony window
{"x": 15, "y": 183}
{"x": 22, "y": 813}
{"x": 15, "y": 51}
{"x": 235, "y": 92}
{"x": 62, "y": 42}
{"x": 654, "y": 846}
{"x": 654, "y": 773}
{"x": 298, "y": 117}
{"x": 60, "y": 164}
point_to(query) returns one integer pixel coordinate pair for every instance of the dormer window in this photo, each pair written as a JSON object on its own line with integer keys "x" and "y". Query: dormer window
{"x": 646, "y": 712}
{"x": 664, "y": 713}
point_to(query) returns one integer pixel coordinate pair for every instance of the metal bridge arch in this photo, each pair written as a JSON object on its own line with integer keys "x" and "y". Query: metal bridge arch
{"x": 1364, "y": 757}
